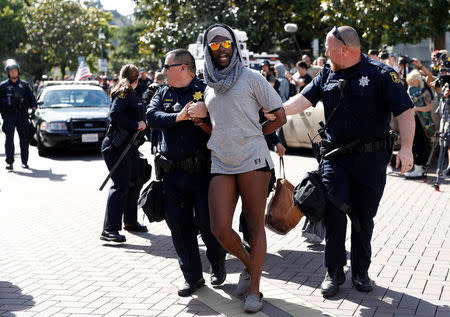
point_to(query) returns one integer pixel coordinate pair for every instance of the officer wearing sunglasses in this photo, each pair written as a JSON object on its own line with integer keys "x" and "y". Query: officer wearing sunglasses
{"x": 184, "y": 164}
{"x": 357, "y": 176}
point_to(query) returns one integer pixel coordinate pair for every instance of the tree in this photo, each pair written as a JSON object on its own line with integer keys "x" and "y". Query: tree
{"x": 127, "y": 50}
{"x": 63, "y": 30}
{"x": 12, "y": 27}
{"x": 390, "y": 22}
{"x": 176, "y": 23}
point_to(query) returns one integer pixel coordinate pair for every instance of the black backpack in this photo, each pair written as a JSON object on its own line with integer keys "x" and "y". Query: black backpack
{"x": 152, "y": 201}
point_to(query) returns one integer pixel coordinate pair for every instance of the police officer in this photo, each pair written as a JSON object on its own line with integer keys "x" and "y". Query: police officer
{"x": 16, "y": 97}
{"x": 143, "y": 83}
{"x": 127, "y": 116}
{"x": 185, "y": 161}
{"x": 357, "y": 176}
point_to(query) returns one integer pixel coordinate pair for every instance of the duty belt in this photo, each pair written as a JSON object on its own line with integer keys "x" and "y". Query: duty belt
{"x": 329, "y": 150}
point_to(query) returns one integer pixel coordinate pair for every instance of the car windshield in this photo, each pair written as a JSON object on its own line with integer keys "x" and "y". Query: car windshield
{"x": 75, "y": 98}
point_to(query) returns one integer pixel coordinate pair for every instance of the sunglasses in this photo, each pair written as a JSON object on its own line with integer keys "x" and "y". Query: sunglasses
{"x": 167, "y": 66}
{"x": 337, "y": 35}
{"x": 225, "y": 44}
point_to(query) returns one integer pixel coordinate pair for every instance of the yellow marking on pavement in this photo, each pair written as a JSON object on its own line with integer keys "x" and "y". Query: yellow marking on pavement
{"x": 228, "y": 305}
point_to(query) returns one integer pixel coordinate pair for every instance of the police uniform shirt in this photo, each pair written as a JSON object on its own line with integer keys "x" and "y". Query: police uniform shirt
{"x": 372, "y": 92}
{"x": 10, "y": 91}
{"x": 126, "y": 111}
{"x": 184, "y": 139}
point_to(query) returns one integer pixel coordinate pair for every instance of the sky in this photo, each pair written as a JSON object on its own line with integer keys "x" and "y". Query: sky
{"x": 125, "y": 7}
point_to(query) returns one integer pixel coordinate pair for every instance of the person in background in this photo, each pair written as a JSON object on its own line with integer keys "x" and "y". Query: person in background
{"x": 425, "y": 127}
{"x": 16, "y": 97}
{"x": 280, "y": 72}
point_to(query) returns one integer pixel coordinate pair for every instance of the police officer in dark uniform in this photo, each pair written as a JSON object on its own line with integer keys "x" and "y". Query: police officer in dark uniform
{"x": 185, "y": 162}
{"x": 16, "y": 97}
{"x": 359, "y": 134}
{"x": 143, "y": 83}
{"x": 127, "y": 116}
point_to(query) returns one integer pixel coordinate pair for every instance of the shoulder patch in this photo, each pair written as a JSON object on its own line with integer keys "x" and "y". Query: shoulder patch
{"x": 121, "y": 95}
{"x": 394, "y": 77}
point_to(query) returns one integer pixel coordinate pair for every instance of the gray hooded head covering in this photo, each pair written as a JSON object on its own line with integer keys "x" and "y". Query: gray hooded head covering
{"x": 222, "y": 79}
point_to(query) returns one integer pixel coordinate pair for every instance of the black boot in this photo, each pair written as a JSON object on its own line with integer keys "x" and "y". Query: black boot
{"x": 218, "y": 274}
{"x": 135, "y": 227}
{"x": 189, "y": 288}
{"x": 113, "y": 236}
{"x": 9, "y": 166}
{"x": 333, "y": 278}
{"x": 362, "y": 282}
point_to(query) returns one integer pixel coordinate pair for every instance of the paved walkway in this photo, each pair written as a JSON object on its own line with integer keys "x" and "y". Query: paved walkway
{"x": 53, "y": 264}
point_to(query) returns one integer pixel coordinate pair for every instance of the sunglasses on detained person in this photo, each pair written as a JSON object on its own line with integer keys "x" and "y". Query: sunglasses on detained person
{"x": 216, "y": 45}
{"x": 337, "y": 35}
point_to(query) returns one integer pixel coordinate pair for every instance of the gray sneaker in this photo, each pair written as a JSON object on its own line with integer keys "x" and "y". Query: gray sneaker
{"x": 243, "y": 284}
{"x": 253, "y": 303}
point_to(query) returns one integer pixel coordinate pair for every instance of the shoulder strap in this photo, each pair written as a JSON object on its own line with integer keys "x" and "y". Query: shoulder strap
{"x": 342, "y": 84}
{"x": 282, "y": 167}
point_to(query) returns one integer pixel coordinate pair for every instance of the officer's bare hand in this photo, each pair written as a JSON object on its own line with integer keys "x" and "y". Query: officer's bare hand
{"x": 280, "y": 149}
{"x": 141, "y": 125}
{"x": 269, "y": 116}
{"x": 197, "y": 109}
{"x": 183, "y": 114}
{"x": 405, "y": 157}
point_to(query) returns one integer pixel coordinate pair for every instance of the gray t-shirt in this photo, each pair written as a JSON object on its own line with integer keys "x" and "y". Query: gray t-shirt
{"x": 237, "y": 143}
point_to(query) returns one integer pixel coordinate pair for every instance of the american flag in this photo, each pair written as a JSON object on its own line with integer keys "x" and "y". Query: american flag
{"x": 82, "y": 71}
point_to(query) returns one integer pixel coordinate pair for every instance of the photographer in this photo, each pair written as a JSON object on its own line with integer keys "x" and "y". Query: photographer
{"x": 403, "y": 68}
{"x": 444, "y": 111}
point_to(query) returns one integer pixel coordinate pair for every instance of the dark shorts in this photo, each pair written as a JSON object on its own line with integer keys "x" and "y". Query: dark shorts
{"x": 262, "y": 169}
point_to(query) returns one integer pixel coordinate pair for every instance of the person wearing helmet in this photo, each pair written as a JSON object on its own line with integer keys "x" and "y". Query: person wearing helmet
{"x": 16, "y": 97}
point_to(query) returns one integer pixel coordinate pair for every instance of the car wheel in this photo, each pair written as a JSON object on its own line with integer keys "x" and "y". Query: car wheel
{"x": 42, "y": 150}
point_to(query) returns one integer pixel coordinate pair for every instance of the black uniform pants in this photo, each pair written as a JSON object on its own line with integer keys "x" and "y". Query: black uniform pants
{"x": 187, "y": 214}
{"x": 11, "y": 122}
{"x": 122, "y": 198}
{"x": 359, "y": 181}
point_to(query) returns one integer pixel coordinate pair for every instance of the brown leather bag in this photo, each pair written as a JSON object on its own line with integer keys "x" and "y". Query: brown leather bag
{"x": 282, "y": 215}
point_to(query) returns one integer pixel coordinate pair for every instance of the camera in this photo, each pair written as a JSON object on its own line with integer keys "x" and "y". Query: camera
{"x": 442, "y": 80}
{"x": 404, "y": 59}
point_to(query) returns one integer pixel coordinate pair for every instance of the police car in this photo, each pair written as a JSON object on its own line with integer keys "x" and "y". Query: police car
{"x": 70, "y": 114}
{"x": 294, "y": 134}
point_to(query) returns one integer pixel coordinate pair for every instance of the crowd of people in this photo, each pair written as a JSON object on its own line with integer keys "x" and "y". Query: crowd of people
{"x": 210, "y": 137}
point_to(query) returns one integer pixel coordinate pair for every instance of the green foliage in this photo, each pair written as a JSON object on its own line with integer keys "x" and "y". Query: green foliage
{"x": 127, "y": 50}
{"x": 62, "y": 30}
{"x": 176, "y": 23}
{"x": 12, "y": 27}
{"x": 389, "y": 22}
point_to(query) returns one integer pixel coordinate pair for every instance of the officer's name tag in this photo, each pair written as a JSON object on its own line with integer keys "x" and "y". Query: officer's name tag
{"x": 89, "y": 137}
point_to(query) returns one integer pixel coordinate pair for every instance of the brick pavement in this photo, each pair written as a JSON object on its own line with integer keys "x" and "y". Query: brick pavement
{"x": 53, "y": 264}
